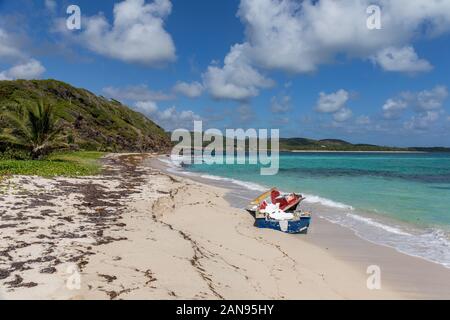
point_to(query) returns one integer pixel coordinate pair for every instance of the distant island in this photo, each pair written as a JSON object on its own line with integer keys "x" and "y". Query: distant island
{"x": 302, "y": 144}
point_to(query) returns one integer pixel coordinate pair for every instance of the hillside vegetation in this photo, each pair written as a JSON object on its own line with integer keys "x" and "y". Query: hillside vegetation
{"x": 291, "y": 144}
{"x": 302, "y": 144}
{"x": 89, "y": 122}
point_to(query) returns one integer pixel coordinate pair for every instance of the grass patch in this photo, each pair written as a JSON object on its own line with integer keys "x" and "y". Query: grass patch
{"x": 67, "y": 164}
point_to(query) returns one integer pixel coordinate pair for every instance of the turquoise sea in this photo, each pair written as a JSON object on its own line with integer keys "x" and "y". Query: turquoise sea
{"x": 399, "y": 200}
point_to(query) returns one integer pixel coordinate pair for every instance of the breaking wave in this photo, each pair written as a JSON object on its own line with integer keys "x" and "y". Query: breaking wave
{"x": 248, "y": 185}
{"x": 432, "y": 244}
{"x": 326, "y": 202}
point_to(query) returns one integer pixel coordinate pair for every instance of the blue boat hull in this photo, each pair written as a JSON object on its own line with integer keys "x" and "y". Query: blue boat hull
{"x": 290, "y": 226}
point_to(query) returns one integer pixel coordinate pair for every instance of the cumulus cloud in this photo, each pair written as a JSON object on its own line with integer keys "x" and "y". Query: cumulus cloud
{"x": 431, "y": 99}
{"x": 401, "y": 59}
{"x": 169, "y": 118}
{"x": 136, "y": 93}
{"x": 137, "y": 34}
{"x": 32, "y": 69}
{"x": 343, "y": 115}
{"x": 393, "y": 108}
{"x": 423, "y": 121}
{"x": 422, "y": 101}
{"x": 333, "y": 102}
{"x": 299, "y": 36}
{"x": 427, "y": 105}
{"x": 24, "y": 67}
{"x": 146, "y": 107}
{"x": 172, "y": 119}
{"x": 237, "y": 79}
{"x": 191, "y": 90}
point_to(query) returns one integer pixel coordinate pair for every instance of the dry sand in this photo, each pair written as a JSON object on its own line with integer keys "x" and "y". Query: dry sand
{"x": 137, "y": 233}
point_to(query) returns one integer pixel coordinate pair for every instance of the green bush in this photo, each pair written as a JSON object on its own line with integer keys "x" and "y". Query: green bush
{"x": 14, "y": 154}
{"x": 68, "y": 164}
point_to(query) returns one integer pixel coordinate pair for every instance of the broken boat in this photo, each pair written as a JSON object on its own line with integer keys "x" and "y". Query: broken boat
{"x": 280, "y": 211}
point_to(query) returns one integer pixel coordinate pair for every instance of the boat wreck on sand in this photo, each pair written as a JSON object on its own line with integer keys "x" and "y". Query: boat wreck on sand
{"x": 280, "y": 211}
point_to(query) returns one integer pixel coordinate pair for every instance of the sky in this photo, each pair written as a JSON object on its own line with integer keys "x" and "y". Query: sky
{"x": 367, "y": 71}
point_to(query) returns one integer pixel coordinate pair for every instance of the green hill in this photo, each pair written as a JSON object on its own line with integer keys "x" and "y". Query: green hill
{"x": 302, "y": 144}
{"x": 90, "y": 122}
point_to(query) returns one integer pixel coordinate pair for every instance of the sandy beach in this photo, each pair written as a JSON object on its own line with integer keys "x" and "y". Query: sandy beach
{"x": 139, "y": 232}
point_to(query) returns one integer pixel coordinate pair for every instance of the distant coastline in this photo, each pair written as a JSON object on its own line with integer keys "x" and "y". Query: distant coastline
{"x": 350, "y": 151}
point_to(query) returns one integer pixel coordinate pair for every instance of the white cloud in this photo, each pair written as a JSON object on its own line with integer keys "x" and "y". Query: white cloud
{"x": 299, "y": 36}
{"x": 432, "y": 99}
{"x": 427, "y": 104}
{"x": 401, "y": 59}
{"x": 169, "y": 118}
{"x": 393, "y": 108}
{"x": 425, "y": 100}
{"x": 343, "y": 115}
{"x": 136, "y": 93}
{"x": 237, "y": 79}
{"x": 32, "y": 69}
{"x": 423, "y": 121}
{"x": 333, "y": 102}
{"x": 281, "y": 105}
{"x": 191, "y": 90}
{"x": 137, "y": 34}
{"x": 24, "y": 67}
{"x": 146, "y": 107}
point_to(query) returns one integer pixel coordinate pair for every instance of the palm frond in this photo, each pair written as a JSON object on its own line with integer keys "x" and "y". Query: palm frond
{"x": 39, "y": 132}
{"x": 15, "y": 140}
{"x": 17, "y": 123}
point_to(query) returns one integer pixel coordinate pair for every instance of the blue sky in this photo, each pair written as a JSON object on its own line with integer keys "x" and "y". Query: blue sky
{"x": 312, "y": 68}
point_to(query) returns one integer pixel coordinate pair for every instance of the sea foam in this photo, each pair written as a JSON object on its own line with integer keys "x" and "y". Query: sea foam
{"x": 248, "y": 185}
{"x": 326, "y": 202}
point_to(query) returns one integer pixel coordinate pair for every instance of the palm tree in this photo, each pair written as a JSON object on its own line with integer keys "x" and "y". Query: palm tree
{"x": 37, "y": 132}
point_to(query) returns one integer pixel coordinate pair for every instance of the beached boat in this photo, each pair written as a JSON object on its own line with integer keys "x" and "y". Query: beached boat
{"x": 299, "y": 225}
{"x": 274, "y": 210}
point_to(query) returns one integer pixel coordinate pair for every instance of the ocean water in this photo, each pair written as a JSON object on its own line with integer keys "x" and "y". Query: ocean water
{"x": 398, "y": 200}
